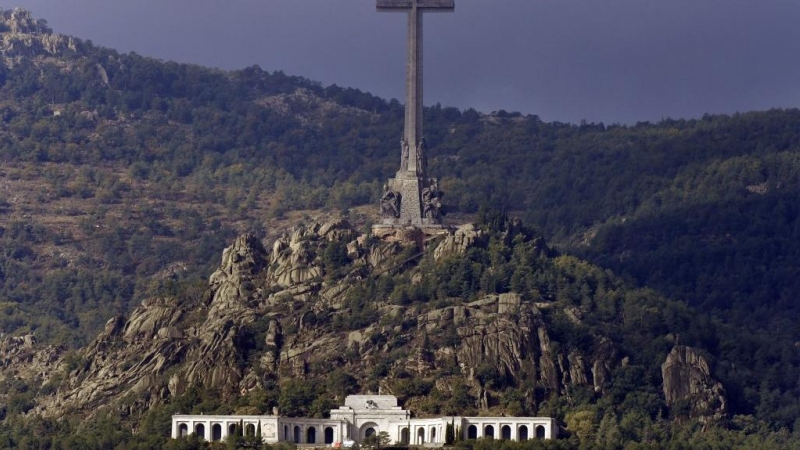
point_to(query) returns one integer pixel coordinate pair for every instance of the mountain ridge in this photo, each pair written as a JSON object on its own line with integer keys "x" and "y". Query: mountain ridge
{"x": 121, "y": 186}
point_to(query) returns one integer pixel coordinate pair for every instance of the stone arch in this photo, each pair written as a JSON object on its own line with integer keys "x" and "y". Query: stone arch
{"x": 420, "y": 435}
{"x": 505, "y": 432}
{"x": 231, "y": 429}
{"x": 405, "y": 437}
{"x": 367, "y": 430}
{"x": 522, "y": 433}
{"x": 540, "y": 432}
{"x": 488, "y": 432}
{"x": 183, "y": 430}
{"x": 216, "y": 432}
{"x": 286, "y": 432}
{"x": 249, "y": 430}
{"x": 296, "y": 434}
{"x": 432, "y": 434}
{"x": 472, "y": 432}
{"x": 200, "y": 430}
{"x": 329, "y": 435}
{"x": 311, "y": 435}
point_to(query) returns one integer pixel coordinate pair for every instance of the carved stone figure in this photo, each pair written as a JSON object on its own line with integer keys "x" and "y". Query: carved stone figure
{"x": 390, "y": 203}
{"x": 431, "y": 205}
{"x": 370, "y": 404}
{"x": 422, "y": 157}
{"x": 404, "y": 154}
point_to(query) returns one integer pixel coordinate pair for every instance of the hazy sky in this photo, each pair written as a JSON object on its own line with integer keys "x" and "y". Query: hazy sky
{"x": 566, "y": 60}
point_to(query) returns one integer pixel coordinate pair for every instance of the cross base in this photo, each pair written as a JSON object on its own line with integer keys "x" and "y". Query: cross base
{"x": 411, "y": 188}
{"x": 410, "y": 232}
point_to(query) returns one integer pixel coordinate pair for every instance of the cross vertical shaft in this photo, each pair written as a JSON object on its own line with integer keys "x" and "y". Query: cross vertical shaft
{"x": 414, "y": 86}
{"x": 414, "y": 81}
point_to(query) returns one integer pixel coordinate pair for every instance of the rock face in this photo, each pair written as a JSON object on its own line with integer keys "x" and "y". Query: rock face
{"x": 459, "y": 242}
{"x": 25, "y": 36}
{"x": 21, "y": 357}
{"x": 20, "y": 21}
{"x": 123, "y": 359}
{"x": 167, "y": 345}
{"x": 295, "y": 258}
{"x": 199, "y": 344}
{"x": 290, "y": 310}
{"x": 688, "y": 382}
{"x": 511, "y": 337}
{"x": 233, "y": 283}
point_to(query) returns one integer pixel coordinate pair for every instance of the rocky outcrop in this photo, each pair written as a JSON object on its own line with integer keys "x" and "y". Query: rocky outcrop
{"x": 23, "y": 358}
{"x": 688, "y": 384}
{"x": 295, "y": 257}
{"x": 512, "y": 337}
{"x": 458, "y": 243}
{"x": 233, "y": 283}
{"x": 16, "y": 348}
{"x": 297, "y": 268}
{"x": 197, "y": 343}
{"x": 21, "y": 21}
{"x": 604, "y": 359}
{"x": 124, "y": 359}
{"x": 288, "y": 312}
{"x": 215, "y": 358}
{"x": 22, "y": 35}
{"x": 215, "y": 362}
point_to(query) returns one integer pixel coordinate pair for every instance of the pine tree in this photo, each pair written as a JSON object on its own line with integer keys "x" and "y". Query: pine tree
{"x": 449, "y": 434}
{"x": 235, "y": 439}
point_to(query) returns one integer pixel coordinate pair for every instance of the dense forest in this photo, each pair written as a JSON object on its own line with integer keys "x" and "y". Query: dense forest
{"x": 122, "y": 176}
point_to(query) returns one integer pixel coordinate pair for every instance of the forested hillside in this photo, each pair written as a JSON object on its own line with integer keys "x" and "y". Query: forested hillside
{"x": 488, "y": 321}
{"x": 123, "y": 177}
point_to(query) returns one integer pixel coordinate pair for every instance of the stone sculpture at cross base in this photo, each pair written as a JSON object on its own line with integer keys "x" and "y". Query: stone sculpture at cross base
{"x": 411, "y": 198}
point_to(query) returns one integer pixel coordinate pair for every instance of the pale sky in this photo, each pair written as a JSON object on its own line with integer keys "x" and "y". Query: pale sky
{"x": 564, "y": 60}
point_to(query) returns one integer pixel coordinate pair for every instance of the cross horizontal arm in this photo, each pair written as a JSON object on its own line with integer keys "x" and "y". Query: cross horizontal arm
{"x": 428, "y": 5}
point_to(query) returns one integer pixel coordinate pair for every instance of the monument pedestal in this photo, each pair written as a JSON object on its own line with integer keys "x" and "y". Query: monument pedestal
{"x": 411, "y": 188}
{"x": 409, "y": 233}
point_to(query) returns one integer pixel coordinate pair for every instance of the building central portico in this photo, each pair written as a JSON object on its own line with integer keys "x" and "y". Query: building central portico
{"x": 360, "y": 417}
{"x": 368, "y": 414}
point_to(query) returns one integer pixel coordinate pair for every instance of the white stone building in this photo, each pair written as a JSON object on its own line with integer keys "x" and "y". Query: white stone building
{"x": 360, "y": 417}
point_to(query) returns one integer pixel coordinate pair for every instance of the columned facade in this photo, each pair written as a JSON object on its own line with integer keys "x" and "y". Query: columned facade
{"x": 359, "y": 418}
{"x": 509, "y": 428}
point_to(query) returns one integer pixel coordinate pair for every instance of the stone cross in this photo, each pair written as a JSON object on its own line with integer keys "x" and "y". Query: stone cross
{"x": 413, "y": 124}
